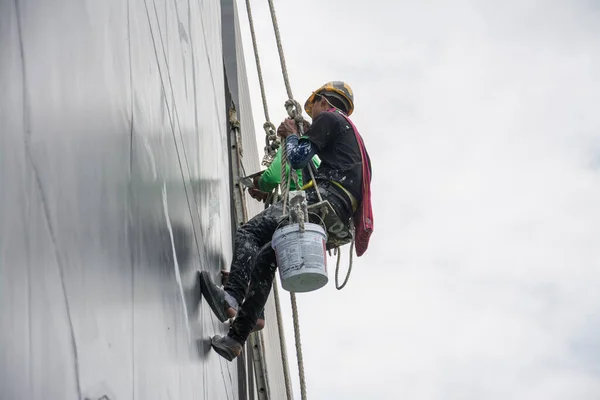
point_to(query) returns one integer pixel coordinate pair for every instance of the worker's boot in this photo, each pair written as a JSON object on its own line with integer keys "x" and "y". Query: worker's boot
{"x": 220, "y": 302}
{"x": 226, "y": 347}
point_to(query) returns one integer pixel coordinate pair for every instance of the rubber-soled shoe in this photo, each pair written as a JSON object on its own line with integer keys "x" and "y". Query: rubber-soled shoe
{"x": 226, "y": 347}
{"x": 218, "y": 300}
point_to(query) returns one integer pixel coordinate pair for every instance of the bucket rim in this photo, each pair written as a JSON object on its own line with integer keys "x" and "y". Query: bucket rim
{"x": 321, "y": 223}
{"x": 307, "y": 226}
{"x": 312, "y": 228}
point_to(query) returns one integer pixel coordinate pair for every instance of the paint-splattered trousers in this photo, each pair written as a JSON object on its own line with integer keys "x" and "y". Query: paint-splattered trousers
{"x": 253, "y": 266}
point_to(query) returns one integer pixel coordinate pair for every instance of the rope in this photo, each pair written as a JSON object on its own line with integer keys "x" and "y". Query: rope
{"x": 286, "y": 78}
{"x": 295, "y": 112}
{"x": 257, "y": 59}
{"x": 312, "y": 177}
{"x": 271, "y": 140}
{"x": 293, "y": 175}
{"x": 292, "y": 112}
{"x": 298, "y": 345}
{"x": 286, "y": 374}
{"x": 271, "y": 145}
{"x": 285, "y": 179}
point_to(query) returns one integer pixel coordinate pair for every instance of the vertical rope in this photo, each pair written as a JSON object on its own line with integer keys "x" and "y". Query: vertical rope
{"x": 312, "y": 177}
{"x": 284, "y": 359}
{"x": 300, "y": 123}
{"x": 286, "y": 78}
{"x": 257, "y": 60}
{"x": 285, "y": 184}
{"x": 285, "y": 178}
{"x": 298, "y": 346}
{"x": 294, "y": 176}
{"x": 270, "y": 151}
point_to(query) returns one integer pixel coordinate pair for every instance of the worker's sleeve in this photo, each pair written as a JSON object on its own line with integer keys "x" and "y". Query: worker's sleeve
{"x": 299, "y": 151}
{"x": 272, "y": 175}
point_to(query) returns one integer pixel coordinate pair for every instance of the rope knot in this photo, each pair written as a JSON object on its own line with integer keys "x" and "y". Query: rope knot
{"x": 271, "y": 135}
{"x": 294, "y": 110}
{"x": 269, "y": 128}
{"x": 271, "y": 143}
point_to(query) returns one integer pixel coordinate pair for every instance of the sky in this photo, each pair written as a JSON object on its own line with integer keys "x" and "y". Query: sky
{"x": 483, "y": 125}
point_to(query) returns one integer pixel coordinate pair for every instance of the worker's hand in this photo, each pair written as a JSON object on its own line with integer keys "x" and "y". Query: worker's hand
{"x": 257, "y": 194}
{"x": 288, "y": 127}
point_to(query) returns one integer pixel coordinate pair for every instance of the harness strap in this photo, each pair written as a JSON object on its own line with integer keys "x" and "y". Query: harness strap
{"x": 353, "y": 200}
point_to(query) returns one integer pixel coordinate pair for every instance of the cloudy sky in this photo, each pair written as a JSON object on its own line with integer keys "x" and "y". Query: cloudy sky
{"x": 483, "y": 123}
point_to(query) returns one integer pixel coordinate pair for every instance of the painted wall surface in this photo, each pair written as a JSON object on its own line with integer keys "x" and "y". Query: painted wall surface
{"x": 114, "y": 192}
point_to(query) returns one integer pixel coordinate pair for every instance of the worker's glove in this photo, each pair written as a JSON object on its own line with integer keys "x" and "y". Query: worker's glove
{"x": 258, "y": 195}
{"x": 288, "y": 127}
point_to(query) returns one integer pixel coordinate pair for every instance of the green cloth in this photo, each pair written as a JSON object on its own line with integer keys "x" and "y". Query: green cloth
{"x": 272, "y": 175}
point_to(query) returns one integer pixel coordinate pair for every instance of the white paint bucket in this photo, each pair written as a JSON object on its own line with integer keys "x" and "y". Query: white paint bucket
{"x": 301, "y": 257}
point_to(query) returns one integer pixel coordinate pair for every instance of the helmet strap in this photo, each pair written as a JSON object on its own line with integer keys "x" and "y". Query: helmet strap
{"x": 328, "y": 102}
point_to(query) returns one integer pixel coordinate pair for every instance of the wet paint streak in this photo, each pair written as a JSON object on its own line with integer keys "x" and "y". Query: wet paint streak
{"x": 43, "y": 200}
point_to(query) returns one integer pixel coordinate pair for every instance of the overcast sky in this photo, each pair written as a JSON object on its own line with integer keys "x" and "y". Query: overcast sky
{"x": 482, "y": 120}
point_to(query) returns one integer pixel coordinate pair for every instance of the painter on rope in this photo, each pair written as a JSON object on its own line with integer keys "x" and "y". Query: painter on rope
{"x": 343, "y": 179}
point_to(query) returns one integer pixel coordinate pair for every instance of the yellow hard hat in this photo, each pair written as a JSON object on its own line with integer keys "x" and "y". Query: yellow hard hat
{"x": 336, "y": 89}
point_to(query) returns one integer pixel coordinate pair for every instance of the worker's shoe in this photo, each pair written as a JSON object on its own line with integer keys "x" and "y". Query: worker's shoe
{"x": 226, "y": 347}
{"x": 220, "y": 302}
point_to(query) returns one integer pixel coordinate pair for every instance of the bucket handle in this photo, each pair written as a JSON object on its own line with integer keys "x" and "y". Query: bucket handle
{"x": 322, "y": 222}
{"x": 320, "y": 218}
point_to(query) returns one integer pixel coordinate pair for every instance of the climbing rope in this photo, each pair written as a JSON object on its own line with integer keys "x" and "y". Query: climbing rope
{"x": 286, "y": 368}
{"x": 271, "y": 145}
{"x": 292, "y": 106}
{"x": 284, "y": 192}
{"x": 295, "y": 112}
{"x": 286, "y": 78}
{"x": 271, "y": 141}
{"x": 286, "y": 178}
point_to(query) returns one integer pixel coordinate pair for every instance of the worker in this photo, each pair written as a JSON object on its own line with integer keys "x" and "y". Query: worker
{"x": 343, "y": 179}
